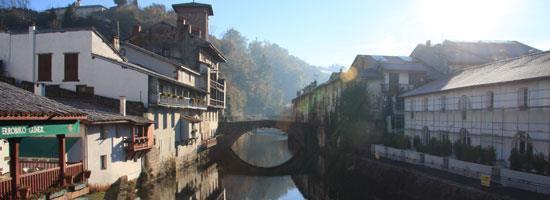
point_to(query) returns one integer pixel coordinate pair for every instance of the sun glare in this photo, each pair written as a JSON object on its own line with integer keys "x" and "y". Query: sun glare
{"x": 464, "y": 19}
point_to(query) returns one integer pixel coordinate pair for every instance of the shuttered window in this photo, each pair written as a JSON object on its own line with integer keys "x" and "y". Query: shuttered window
{"x": 45, "y": 67}
{"x": 71, "y": 67}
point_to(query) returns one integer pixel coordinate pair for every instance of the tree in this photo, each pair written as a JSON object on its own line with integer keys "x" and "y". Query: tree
{"x": 121, "y": 2}
{"x": 69, "y": 17}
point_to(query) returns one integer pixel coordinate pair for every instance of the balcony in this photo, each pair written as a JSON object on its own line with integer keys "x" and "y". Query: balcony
{"x": 217, "y": 85}
{"x": 140, "y": 140}
{"x": 394, "y": 89}
{"x": 179, "y": 101}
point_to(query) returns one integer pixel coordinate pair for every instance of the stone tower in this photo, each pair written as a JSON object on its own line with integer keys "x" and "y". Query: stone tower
{"x": 196, "y": 15}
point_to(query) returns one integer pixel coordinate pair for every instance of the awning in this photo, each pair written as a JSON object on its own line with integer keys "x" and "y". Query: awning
{"x": 38, "y": 128}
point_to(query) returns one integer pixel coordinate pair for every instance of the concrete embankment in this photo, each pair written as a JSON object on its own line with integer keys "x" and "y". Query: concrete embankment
{"x": 391, "y": 181}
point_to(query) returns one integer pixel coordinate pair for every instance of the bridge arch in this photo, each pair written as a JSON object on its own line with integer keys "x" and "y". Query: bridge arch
{"x": 301, "y": 139}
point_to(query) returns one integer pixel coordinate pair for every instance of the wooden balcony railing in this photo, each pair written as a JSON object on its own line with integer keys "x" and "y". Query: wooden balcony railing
{"x": 215, "y": 102}
{"x": 138, "y": 144}
{"x": 180, "y": 101}
{"x": 37, "y": 164}
{"x": 216, "y": 85}
{"x": 41, "y": 181}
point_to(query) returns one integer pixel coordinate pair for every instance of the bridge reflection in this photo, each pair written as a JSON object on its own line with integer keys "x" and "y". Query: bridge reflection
{"x": 301, "y": 142}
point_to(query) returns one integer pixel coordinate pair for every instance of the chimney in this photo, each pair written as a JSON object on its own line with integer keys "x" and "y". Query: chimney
{"x": 116, "y": 42}
{"x": 428, "y": 43}
{"x": 123, "y": 105}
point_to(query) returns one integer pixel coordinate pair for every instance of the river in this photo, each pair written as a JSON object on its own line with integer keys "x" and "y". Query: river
{"x": 262, "y": 147}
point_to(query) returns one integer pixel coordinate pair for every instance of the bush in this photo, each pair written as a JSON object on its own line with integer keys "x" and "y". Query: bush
{"x": 396, "y": 141}
{"x": 477, "y": 154}
{"x": 435, "y": 147}
{"x": 528, "y": 162}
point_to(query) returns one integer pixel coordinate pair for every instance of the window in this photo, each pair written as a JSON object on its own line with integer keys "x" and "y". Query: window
{"x": 156, "y": 119}
{"x": 425, "y": 104}
{"x": 165, "y": 120}
{"x": 523, "y": 98}
{"x": 103, "y": 161}
{"x": 490, "y": 100}
{"x": 45, "y": 67}
{"x": 443, "y": 102}
{"x": 463, "y": 105}
{"x": 71, "y": 67}
{"x": 443, "y": 135}
{"x": 464, "y": 136}
{"x": 103, "y": 132}
{"x": 522, "y": 143}
{"x": 173, "y": 119}
{"x": 412, "y": 109}
{"x": 425, "y": 135}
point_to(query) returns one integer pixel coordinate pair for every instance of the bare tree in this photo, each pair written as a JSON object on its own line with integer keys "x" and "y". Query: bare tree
{"x": 14, "y": 3}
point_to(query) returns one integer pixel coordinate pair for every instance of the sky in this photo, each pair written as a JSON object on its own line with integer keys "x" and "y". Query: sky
{"x": 324, "y": 32}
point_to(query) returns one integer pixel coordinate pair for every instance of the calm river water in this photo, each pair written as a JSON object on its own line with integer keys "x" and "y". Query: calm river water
{"x": 262, "y": 147}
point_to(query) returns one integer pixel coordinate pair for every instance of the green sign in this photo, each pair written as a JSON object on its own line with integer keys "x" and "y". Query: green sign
{"x": 38, "y": 130}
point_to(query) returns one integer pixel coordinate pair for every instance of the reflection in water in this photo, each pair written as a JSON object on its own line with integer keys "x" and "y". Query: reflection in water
{"x": 264, "y": 147}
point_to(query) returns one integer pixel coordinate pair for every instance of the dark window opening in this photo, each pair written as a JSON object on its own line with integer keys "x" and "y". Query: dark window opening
{"x": 71, "y": 67}
{"x": 45, "y": 67}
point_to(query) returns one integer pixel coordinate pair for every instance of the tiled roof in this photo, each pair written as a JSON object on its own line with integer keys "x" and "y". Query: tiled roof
{"x": 521, "y": 68}
{"x": 18, "y": 103}
{"x": 101, "y": 113}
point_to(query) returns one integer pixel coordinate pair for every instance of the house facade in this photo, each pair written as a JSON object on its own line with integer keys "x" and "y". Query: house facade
{"x": 187, "y": 45}
{"x": 504, "y": 104}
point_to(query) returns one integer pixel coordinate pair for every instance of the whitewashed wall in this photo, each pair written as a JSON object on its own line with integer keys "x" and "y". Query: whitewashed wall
{"x": 487, "y": 127}
{"x": 113, "y": 148}
{"x": 108, "y": 79}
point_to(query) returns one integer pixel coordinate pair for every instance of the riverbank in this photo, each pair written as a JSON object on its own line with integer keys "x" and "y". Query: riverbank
{"x": 400, "y": 180}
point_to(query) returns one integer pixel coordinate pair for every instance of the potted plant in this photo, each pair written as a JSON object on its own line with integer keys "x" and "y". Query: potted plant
{"x": 69, "y": 180}
{"x": 24, "y": 192}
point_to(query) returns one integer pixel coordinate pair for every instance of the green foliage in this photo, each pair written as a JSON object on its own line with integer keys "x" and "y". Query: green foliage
{"x": 396, "y": 141}
{"x": 435, "y": 147}
{"x": 262, "y": 76}
{"x": 477, "y": 154}
{"x": 121, "y": 2}
{"x": 529, "y": 162}
{"x": 69, "y": 18}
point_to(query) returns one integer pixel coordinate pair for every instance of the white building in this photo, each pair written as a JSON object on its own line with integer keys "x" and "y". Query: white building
{"x": 111, "y": 143}
{"x": 504, "y": 104}
{"x": 177, "y": 107}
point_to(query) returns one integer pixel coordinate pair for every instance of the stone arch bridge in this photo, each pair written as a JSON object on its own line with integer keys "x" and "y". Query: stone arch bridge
{"x": 302, "y": 143}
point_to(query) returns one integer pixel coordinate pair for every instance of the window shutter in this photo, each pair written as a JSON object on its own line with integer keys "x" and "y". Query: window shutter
{"x": 45, "y": 67}
{"x": 71, "y": 67}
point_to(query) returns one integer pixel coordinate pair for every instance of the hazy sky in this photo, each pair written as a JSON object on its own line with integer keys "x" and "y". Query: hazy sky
{"x": 326, "y": 32}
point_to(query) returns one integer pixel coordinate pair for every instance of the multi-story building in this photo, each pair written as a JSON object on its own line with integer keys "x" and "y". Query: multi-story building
{"x": 188, "y": 43}
{"x": 316, "y": 102}
{"x": 387, "y": 77}
{"x": 503, "y": 104}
